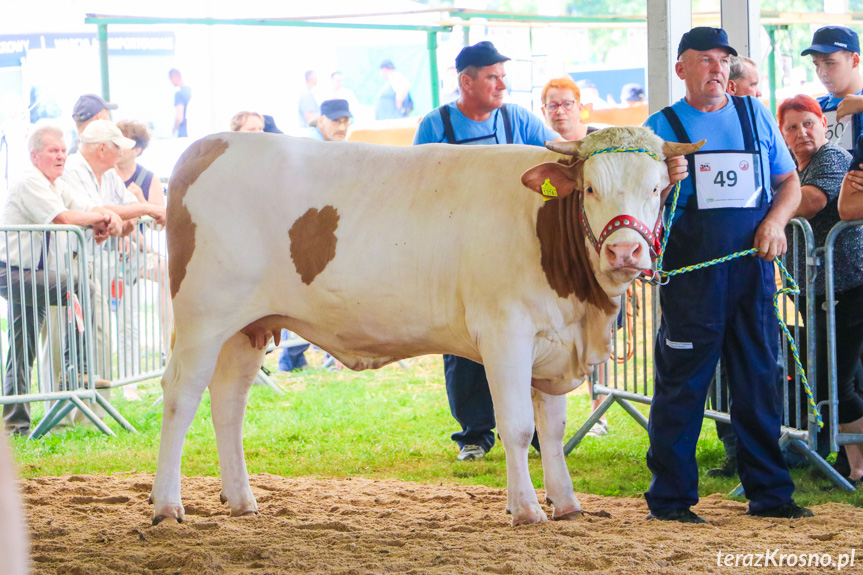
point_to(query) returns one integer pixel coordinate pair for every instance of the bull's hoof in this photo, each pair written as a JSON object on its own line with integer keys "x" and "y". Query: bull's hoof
{"x": 244, "y": 513}
{"x": 159, "y": 518}
{"x": 172, "y": 512}
{"x": 528, "y": 516}
{"x": 222, "y": 497}
{"x": 573, "y": 515}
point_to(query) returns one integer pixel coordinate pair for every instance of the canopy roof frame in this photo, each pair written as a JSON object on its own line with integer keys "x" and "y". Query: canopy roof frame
{"x": 102, "y": 21}
{"x": 459, "y": 17}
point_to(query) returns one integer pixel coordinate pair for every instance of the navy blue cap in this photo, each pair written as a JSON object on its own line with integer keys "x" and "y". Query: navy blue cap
{"x": 270, "y": 125}
{"x": 632, "y": 93}
{"x": 705, "y": 38}
{"x": 89, "y": 105}
{"x": 830, "y": 39}
{"x": 335, "y": 109}
{"x": 480, "y": 54}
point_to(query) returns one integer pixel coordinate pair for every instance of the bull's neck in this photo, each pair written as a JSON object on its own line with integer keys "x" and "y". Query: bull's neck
{"x": 565, "y": 259}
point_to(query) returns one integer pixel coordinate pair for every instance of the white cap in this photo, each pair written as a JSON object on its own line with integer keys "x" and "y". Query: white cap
{"x": 100, "y": 131}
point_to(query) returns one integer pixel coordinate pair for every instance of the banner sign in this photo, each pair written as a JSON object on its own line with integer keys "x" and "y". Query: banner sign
{"x": 15, "y": 47}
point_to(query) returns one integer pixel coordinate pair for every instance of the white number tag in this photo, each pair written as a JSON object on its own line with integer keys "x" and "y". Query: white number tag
{"x": 840, "y": 133}
{"x": 727, "y": 180}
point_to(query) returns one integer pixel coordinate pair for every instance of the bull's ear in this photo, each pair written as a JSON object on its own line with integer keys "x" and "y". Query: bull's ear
{"x": 566, "y": 148}
{"x": 553, "y": 180}
{"x": 671, "y": 149}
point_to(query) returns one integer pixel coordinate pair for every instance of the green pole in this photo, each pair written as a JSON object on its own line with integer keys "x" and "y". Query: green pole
{"x": 433, "y": 74}
{"x": 103, "y": 61}
{"x": 771, "y": 68}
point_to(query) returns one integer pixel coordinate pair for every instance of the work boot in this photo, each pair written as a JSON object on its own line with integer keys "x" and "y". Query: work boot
{"x": 727, "y": 469}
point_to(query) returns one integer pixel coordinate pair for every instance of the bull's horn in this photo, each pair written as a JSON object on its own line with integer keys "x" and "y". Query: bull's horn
{"x": 672, "y": 149}
{"x": 566, "y": 148}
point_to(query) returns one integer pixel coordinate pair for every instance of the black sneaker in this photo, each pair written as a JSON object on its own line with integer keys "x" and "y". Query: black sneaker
{"x": 727, "y": 469}
{"x": 682, "y": 515}
{"x": 788, "y": 510}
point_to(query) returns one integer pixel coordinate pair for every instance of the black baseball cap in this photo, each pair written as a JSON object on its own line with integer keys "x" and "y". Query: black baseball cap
{"x": 830, "y": 39}
{"x": 88, "y": 106}
{"x": 704, "y": 38}
{"x": 480, "y": 54}
{"x": 335, "y": 109}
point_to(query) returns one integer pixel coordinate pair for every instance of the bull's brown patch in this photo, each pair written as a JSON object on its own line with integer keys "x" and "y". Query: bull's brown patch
{"x": 180, "y": 229}
{"x": 564, "y": 255}
{"x": 313, "y": 241}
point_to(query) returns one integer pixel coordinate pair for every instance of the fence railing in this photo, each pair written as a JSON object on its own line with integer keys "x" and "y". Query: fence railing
{"x": 837, "y": 438}
{"x": 81, "y": 319}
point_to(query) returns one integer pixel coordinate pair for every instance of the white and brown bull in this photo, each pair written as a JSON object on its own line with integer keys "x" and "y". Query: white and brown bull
{"x": 381, "y": 253}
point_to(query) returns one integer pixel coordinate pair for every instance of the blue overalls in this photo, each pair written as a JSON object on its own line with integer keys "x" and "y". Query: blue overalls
{"x": 723, "y": 310}
{"x": 466, "y": 382}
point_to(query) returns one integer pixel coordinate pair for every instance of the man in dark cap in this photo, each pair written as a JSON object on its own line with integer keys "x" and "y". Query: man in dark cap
{"x": 333, "y": 123}
{"x": 725, "y": 206}
{"x": 88, "y": 108}
{"x": 478, "y": 117}
{"x": 835, "y": 51}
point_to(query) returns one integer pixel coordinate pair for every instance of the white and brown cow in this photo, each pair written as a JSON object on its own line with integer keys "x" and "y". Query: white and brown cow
{"x": 382, "y": 253}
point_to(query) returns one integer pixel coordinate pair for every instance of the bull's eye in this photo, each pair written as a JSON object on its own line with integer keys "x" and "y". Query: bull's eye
{"x": 655, "y": 190}
{"x": 589, "y": 190}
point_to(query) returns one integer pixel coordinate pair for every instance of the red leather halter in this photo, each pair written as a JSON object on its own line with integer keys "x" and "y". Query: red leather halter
{"x": 653, "y": 237}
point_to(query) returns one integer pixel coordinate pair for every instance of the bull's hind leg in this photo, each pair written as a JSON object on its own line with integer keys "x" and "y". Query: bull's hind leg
{"x": 235, "y": 373}
{"x": 550, "y": 415}
{"x": 188, "y": 372}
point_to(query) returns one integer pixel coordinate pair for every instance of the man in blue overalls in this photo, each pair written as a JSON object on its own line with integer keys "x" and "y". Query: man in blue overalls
{"x": 478, "y": 117}
{"x": 725, "y": 206}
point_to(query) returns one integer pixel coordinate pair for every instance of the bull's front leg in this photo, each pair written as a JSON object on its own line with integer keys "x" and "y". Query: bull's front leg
{"x": 508, "y": 366}
{"x": 550, "y": 414}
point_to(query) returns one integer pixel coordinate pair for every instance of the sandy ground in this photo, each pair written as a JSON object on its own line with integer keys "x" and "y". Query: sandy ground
{"x": 82, "y": 525}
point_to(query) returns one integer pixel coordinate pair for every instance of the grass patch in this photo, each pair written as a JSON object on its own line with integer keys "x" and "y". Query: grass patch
{"x": 389, "y": 423}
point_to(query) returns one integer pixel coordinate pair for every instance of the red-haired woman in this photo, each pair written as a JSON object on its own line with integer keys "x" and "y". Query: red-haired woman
{"x": 822, "y": 166}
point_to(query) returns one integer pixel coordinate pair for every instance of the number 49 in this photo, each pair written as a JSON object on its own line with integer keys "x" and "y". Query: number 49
{"x": 723, "y": 178}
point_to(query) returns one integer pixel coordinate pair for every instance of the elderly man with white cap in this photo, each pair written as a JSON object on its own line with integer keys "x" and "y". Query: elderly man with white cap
{"x": 90, "y": 173}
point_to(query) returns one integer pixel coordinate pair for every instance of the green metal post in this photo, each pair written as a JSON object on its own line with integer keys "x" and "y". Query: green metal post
{"x": 771, "y": 68}
{"x": 433, "y": 73}
{"x": 103, "y": 61}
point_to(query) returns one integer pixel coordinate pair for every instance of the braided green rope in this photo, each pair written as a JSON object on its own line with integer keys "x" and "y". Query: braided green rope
{"x": 791, "y": 288}
{"x": 614, "y": 150}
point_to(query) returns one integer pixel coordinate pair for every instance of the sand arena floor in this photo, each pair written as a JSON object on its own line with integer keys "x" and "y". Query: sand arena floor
{"x": 83, "y": 525}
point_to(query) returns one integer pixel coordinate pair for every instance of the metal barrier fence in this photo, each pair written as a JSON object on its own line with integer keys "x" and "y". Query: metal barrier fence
{"x": 628, "y": 376}
{"x": 121, "y": 335}
{"x": 837, "y": 437}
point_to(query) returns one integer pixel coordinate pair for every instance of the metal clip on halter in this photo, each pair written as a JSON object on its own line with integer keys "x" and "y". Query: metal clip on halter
{"x": 654, "y": 277}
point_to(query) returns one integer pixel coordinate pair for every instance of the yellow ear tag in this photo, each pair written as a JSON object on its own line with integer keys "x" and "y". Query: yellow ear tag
{"x": 548, "y": 190}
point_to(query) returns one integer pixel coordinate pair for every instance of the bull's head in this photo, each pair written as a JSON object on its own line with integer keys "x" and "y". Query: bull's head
{"x": 617, "y": 175}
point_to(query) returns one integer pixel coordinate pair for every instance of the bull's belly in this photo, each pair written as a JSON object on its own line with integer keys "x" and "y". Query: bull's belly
{"x": 361, "y": 345}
